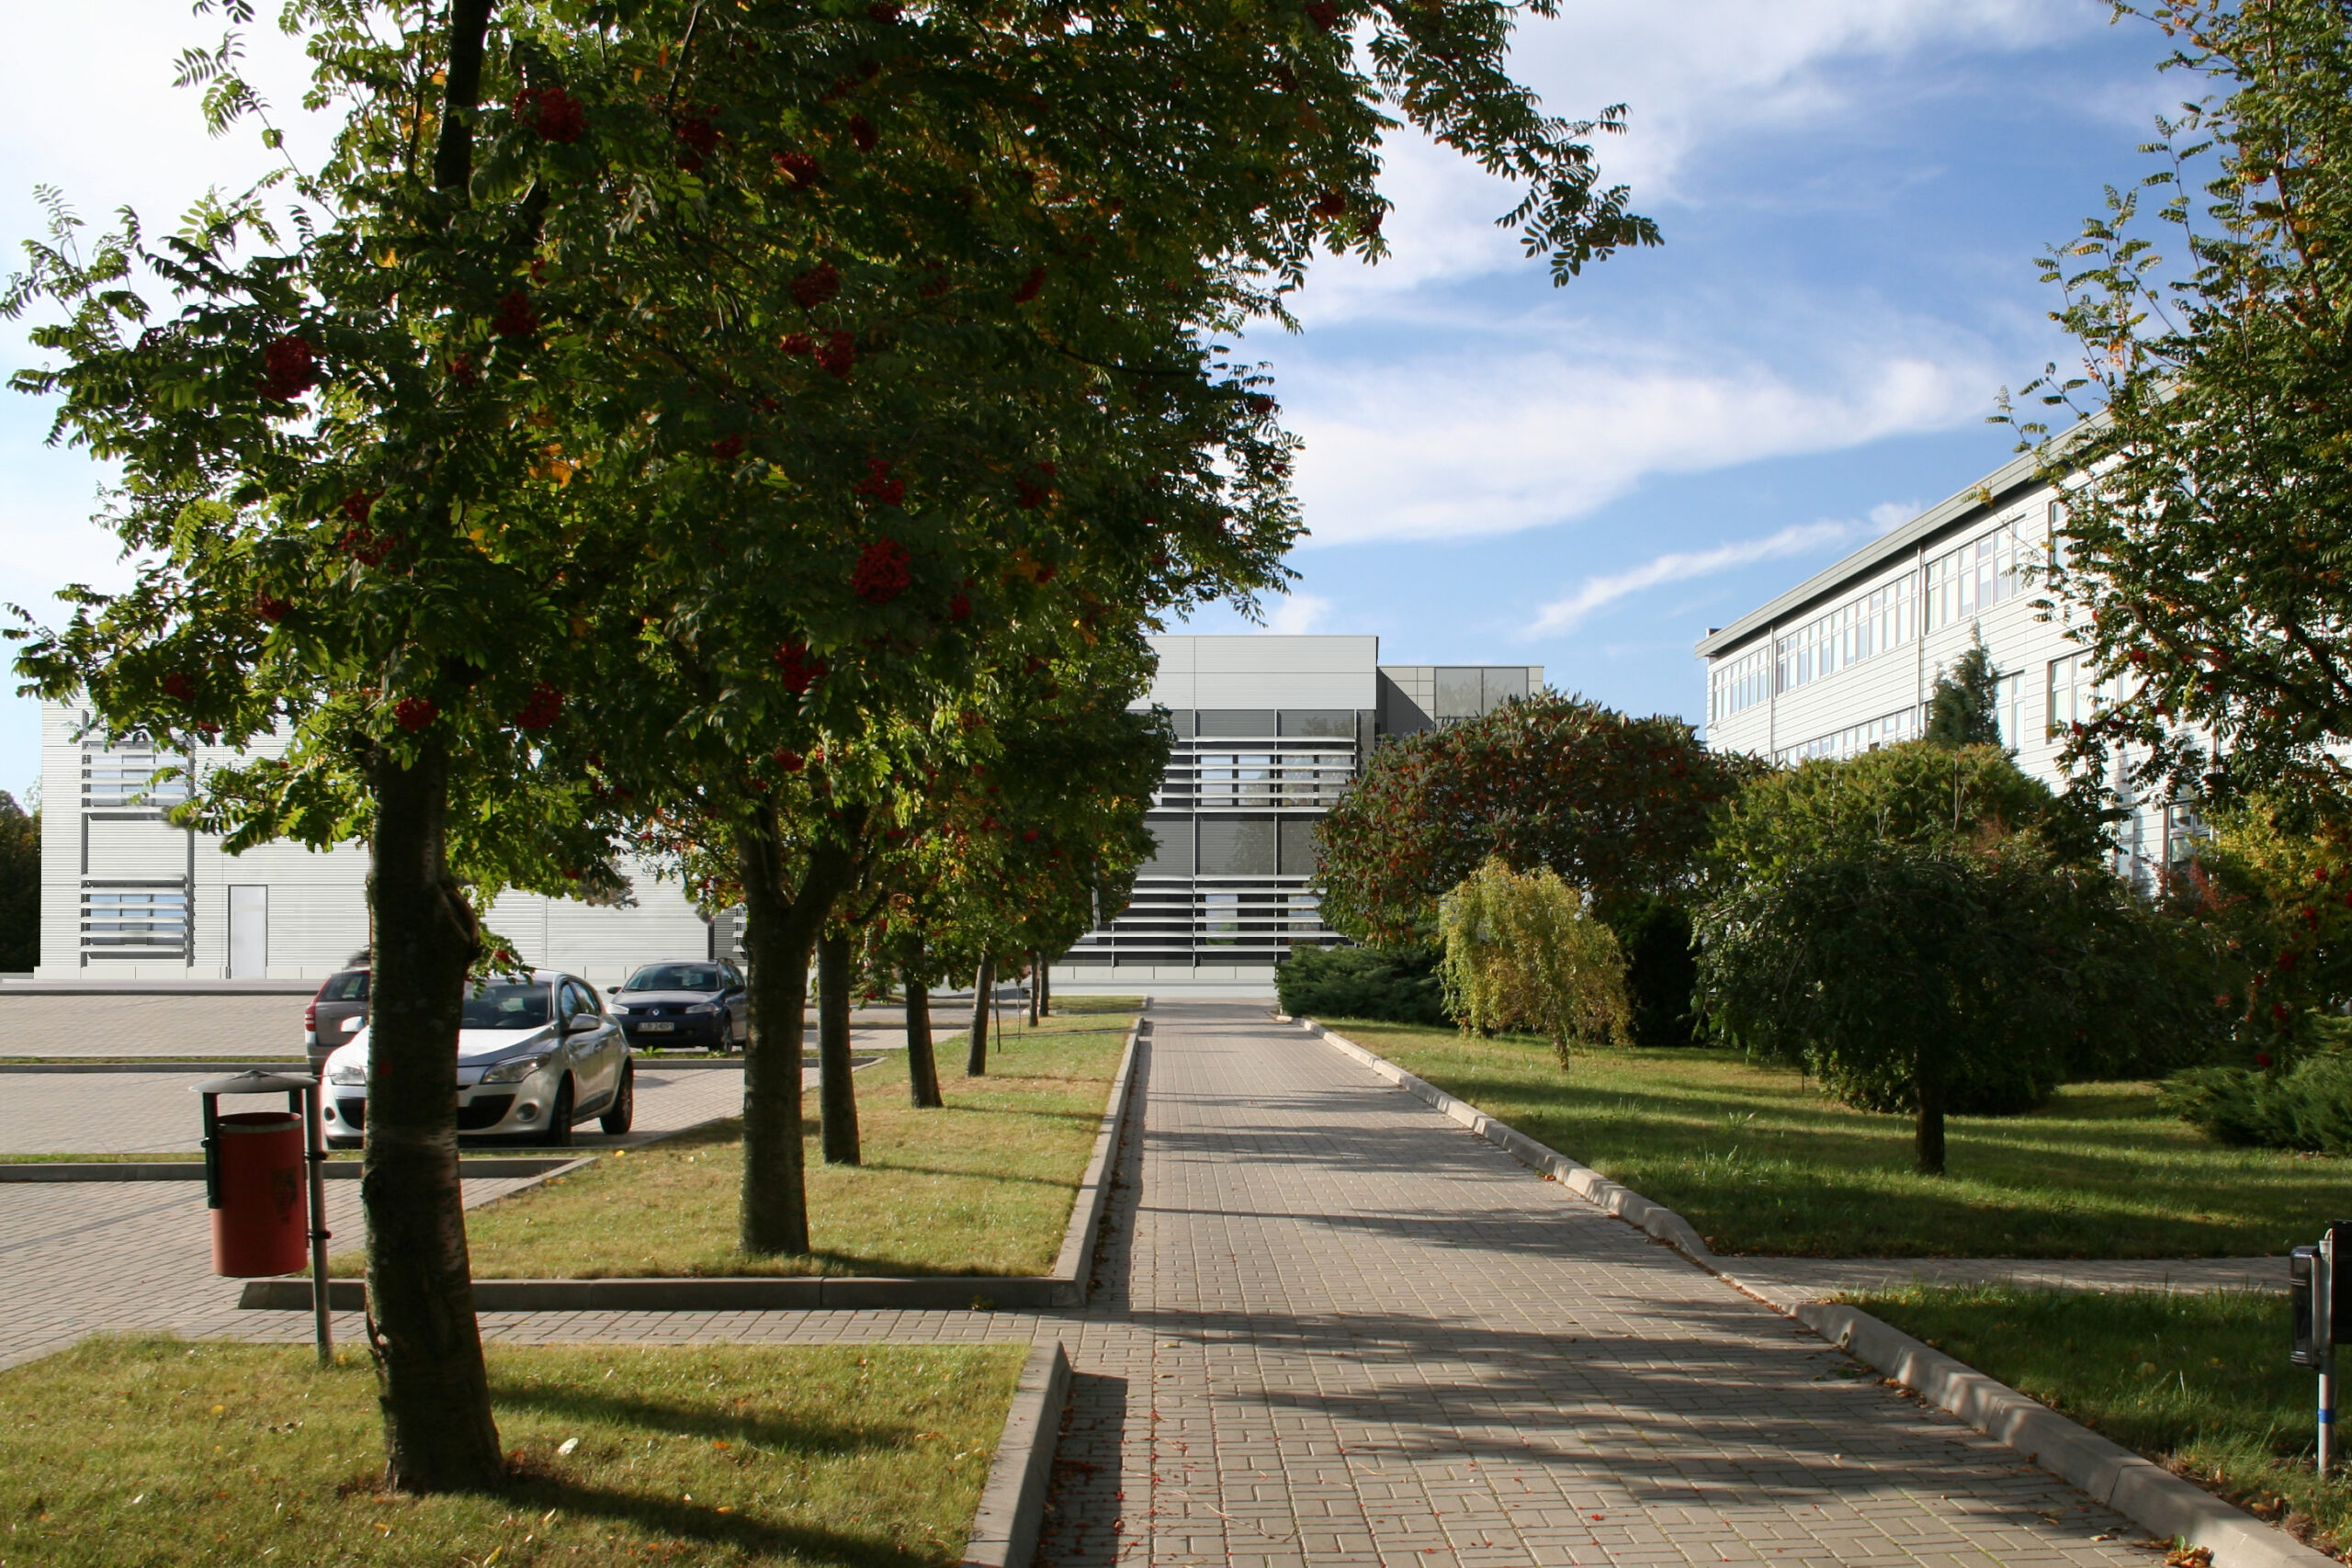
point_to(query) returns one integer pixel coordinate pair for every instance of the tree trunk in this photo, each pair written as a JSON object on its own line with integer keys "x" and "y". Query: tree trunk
{"x": 1927, "y": 1078}
{"x": 1046, "y": 991}
{"x": 836, "y": 1096}
{"x": 1037, "y": 988}
{"x": 776, "y": 939}
{"x": 922, "y": 1066}
{"x": 439, "y": 1435}
{"x": 975, "y": 1060}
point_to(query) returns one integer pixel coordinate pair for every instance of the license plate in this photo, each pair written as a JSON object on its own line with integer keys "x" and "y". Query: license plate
{"x": 657, "y": 1028}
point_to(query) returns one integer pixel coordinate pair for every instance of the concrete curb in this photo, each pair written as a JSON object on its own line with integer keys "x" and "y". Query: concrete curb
{"x": 2139, "y": 1489}
{"x": 193, "y": 1169}
{"x": 1012, "y": 1503}
{"x": 1066, "y": 1286}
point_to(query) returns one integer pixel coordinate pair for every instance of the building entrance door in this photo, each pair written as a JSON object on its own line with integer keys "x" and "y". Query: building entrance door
{"x": 248, "y": 933}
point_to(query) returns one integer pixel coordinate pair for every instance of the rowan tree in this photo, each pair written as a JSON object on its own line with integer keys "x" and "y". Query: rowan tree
{"x": 749, "y": 379}
{"x": 2208, "y": 511}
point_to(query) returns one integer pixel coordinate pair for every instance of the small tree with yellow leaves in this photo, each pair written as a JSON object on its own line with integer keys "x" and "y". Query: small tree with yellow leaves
{"x": 1524, "y": 950}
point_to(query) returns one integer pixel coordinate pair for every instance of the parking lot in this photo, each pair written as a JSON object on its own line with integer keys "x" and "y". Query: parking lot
{"x": 232, "y": 1026}
{"x": 124, "y": 1113}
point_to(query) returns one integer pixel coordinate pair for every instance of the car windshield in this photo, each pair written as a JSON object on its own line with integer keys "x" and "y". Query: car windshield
{"x": 675, "y": 978}
{"x": 519, "y": 1005}
{"x": 351, "y": 985}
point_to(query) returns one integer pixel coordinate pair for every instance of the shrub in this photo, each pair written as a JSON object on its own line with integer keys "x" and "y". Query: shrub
{"x": 1360, "y": 982}
{"x": 1661, "y": 969}
{"x": 2308, "y": 1106}
{"x": 1524, "y": 950}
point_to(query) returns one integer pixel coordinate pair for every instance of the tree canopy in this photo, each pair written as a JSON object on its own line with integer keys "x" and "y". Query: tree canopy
{"x": 1931, "y": 932}
{"x": 1618, "y": 804}
{"x": 2208, "y": 516}
{"x": 641, "y": 403}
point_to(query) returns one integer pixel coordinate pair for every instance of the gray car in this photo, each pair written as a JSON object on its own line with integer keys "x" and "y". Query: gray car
{"x": 336, "y": 1013}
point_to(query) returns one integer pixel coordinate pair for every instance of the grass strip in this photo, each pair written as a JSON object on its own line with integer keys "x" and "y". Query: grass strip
{"x": 151, "y": 1452}
{"x": 2199, "y": 1382}
{"x": 1759, "y": 1161}
{"x": 983, "y": 1186}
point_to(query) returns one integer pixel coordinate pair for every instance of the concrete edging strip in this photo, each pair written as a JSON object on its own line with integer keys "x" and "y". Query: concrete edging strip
{"x": 1012, "y": 1503}
{"x": 2139, "y": 1489}
{"x": 1066, "y": 1286}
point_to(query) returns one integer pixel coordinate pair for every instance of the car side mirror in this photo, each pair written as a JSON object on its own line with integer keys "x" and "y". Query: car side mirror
{"x": 583, "y": 1022}
{"x": 612, "y": 990}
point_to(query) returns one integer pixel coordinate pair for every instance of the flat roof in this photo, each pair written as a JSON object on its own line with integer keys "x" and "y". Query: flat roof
{"x": 1985, "y": 495}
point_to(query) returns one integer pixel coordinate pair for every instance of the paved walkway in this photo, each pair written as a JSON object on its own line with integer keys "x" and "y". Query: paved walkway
{"x": 1333, "y": 1328}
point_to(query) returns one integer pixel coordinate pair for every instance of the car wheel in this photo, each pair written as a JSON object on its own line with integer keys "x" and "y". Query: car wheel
{"x": 616, "y": 1120}
{"x": 559, "y": 1133}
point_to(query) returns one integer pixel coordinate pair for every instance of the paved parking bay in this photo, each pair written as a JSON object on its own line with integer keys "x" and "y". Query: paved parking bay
{"x": 181, "y": 1028}
{"x": 122, "y": 1113}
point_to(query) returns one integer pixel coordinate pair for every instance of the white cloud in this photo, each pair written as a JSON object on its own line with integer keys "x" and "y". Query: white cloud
{"x": 1891, "y": 514}
{"x": 1681, "y": 566}
{"x": 1298, "y": 614}
{"x": 1498, "y": 437}
{"x": 1691, "y": 75}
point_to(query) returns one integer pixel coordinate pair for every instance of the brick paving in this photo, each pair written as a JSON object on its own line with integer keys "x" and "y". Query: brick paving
{"x": 185, "y": 1027}
{"x": 1333, "y": 1328}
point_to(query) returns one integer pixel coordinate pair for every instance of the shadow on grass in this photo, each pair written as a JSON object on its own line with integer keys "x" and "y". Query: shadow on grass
{"x": 687, "y": 1523}
{"x": 593, "y": 1402}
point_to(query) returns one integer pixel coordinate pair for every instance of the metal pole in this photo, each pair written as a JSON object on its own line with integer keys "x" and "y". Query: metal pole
{"x": 2323, "y": 1332}
{"x": 314, "y": 1136}
{"x": 2327, "y": 1414}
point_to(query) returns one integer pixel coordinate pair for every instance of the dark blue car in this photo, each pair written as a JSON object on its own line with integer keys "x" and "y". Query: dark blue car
{"x": 697, "y": 1004}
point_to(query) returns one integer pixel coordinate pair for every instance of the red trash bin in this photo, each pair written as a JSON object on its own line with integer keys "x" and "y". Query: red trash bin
{"x": 262, "y": 1224}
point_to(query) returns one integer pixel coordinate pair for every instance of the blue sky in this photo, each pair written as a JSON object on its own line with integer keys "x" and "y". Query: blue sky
{"x": 1853, "y": 193}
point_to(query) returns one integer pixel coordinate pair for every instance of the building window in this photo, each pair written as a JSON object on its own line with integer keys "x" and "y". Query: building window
{"x": 133, "y": 921}
{"x": 1875, "y": 623}
{"x": 117, "y": 777}
{"x": 1987, "y": 571}
{"x": 1735, "y": 685}
{"x": 2008, "y": 710}
{"x": 1888, "y": 730}
{"x": 2077, "y": 693}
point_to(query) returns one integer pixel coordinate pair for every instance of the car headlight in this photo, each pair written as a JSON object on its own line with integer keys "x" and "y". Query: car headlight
{"x": 516, "y": 1071}
{"x": 349, "y": 1073}
{"x": 703, "y": 1008}
{"x": 619, "y": 1007}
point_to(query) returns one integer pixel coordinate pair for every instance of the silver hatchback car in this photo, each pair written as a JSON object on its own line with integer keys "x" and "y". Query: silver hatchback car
{"x": 537, "y": 1055}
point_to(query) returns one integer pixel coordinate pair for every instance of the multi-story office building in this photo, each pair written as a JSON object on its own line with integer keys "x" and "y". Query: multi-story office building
{"x": 1847, "y": 660}
{"x": 1270, "y": 730}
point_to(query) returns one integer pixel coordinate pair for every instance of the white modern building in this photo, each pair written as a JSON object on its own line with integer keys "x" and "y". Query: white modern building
{"x": 128, "y": 896}
{"x": 1846, "y": 660}
{"x": 1270, "y": 730}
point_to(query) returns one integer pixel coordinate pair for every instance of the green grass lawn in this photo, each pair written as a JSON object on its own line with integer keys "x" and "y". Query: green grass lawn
{"x": 1762, "y": 1163}
{"x": 2200, "y": 1384}
{"x": 145, "y": 1453}
{"x": 983, "y": 1186}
